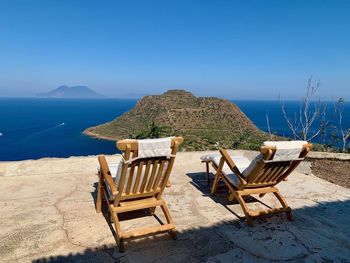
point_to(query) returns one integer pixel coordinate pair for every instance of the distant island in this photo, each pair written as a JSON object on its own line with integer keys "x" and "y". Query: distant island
{"x": 73, "y": 92}
{"x": 204, "y": 122}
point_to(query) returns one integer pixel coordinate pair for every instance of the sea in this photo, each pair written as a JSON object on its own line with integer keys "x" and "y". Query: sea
{"x": 32, "y": 128}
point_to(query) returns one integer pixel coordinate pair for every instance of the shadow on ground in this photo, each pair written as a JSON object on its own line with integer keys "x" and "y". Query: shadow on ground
{"x": 319, "y": 233}
{"x": 197, "y": 180}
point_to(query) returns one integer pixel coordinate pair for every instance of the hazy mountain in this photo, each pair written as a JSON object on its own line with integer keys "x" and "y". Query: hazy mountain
{"x": 73, "y": 92}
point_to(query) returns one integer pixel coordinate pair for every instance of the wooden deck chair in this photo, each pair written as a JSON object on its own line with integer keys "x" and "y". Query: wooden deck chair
{"x": 138, "y": 184}
{"x": 276, "y": 161}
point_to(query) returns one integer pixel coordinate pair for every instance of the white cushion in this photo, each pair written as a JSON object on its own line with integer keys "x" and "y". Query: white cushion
{"x": 252, "y": 165}
{"x": 241, "y": 163}
{"x": 209, "y": 157}
{"x": 113, "y": 168}
{"x": 286, "y": 150}
{"x": 233, "y": 179}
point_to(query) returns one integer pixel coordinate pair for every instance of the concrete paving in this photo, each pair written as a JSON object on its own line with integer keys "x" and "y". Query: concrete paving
{"x": 47, "y": 214}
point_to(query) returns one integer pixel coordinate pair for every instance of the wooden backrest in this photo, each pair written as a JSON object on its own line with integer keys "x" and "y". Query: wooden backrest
{"x": 266, "y": 172}
{"x": 270, "y": 172}
{"x": 144, "y": 177}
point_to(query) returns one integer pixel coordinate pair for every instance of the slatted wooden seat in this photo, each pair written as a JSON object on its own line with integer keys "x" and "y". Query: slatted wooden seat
{"x": 140, "y": 184}
{"x": 260, "y": 178}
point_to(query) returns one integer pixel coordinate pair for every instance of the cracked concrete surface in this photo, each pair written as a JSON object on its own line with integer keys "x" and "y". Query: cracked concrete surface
{"x": 47, "y": 213}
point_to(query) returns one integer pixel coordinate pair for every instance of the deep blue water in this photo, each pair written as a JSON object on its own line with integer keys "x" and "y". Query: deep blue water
{"x": 257, "y": 111}
{"x": 33, "y": 128}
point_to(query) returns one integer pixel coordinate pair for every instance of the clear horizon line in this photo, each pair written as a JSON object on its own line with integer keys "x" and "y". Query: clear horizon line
{"x": 138, "y": 98}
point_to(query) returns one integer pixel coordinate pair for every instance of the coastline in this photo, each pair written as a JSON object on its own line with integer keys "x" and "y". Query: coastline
{"x": 90, "y": 132}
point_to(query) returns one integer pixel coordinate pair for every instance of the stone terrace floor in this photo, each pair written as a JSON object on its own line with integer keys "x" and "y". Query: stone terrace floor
{"x": 47, "y": 214}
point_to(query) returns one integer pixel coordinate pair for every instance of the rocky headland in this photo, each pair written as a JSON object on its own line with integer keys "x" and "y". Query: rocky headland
{"x": 204, "y": 122}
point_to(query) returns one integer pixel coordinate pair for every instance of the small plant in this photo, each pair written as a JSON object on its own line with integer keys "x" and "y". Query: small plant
{"x": 246, "y": 140}
{"x": 153, "y": 131}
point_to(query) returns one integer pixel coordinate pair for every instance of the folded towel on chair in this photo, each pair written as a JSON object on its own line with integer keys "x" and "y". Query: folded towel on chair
{"x": 154, "y": 147}
{"x": 286, "y": 150}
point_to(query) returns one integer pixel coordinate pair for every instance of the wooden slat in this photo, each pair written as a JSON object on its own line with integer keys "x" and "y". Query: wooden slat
{"x": 137, "y": 195}
{"x": 268, "y": 176}
{"x": 279, "y": 161}
{"x": 145, "y": 176}
{"x": 138, "y": 206}
{"x": 281, "y": 174}
{"x": 153, "y": 173}
{"x": 130, "y": 179}
{"x": 256, "y": 173}
{"x": 169, "y": 169}
{"x": 138, "y": 201}
{"x": 257, "y": 191}
{"x": 159, "y": 175}
{"x": 137, "y": 180}
{"x": 148, "y": 231}
{"x": 259, "y": 185}
{"x": 278, "y": 172}
{"x": 266, "y": 172}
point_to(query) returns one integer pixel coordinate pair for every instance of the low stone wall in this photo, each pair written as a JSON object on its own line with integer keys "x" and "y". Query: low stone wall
{"x": 15, "y": 168}
{"x": 304, "y": 167}
{"x": 326, "y": 155}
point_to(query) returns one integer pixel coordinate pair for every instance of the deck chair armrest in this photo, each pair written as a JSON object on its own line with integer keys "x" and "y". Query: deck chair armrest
{"x": 231, "y": 164}
{"x": 106, "y": 174}
{"x": 111, "y": 184}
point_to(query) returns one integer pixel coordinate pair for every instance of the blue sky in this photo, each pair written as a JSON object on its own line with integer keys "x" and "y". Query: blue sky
{"x": 231, "y": 49}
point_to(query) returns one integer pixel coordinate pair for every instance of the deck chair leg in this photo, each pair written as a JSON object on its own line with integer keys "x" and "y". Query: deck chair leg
{"x": 215, "y": 184}
{"x": 245, "y": 209}
{"x": 118, "y": 230}
{"x": 284, "y": 204}
{"x": 99, "y": 197}
{"x": 172, "y": 233}
{"x": 152, "y": 210}
{"x": 207, "y": 170}
{"x": 232, "y": 196}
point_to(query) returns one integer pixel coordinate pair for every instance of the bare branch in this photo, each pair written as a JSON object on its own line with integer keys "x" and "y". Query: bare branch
{"x": 345, "y": 133}
{"x": 289, "y": 123}
{"x": 268, "y": 125}
{"x": 309, "y": 114}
